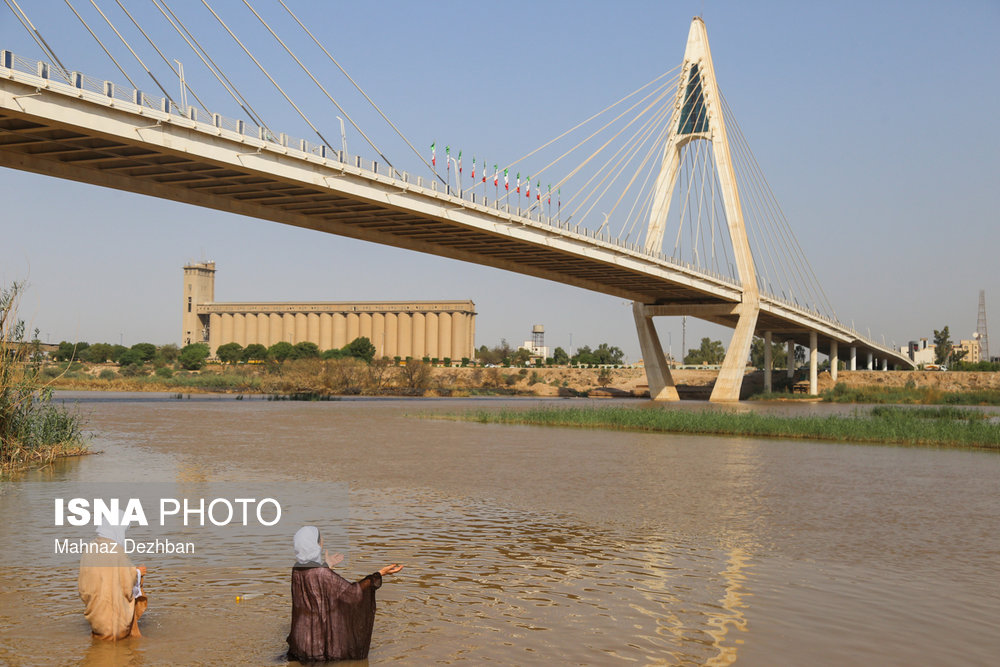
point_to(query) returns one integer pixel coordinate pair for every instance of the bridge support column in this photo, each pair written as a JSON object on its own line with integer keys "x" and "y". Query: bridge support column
{"x": 661, "y": 383}
{"x": 854, "y": 358}
{"x": 834, "y": 360}
{"x": 885, "y": 364}
{"x": 790, "y": 357}
{"x": 768, "y": 363}
{"x": 870, "y": 361}
{"x": 734, "y": 366}
{"x": 813, "y": 343}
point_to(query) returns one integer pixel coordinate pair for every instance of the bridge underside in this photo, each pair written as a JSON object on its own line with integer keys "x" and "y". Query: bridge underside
{"x": 76, "y": 154}
{"x": 110, "y": 144}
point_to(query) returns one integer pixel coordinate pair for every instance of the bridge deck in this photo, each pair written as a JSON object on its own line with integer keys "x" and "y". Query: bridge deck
{"x": 58, "y": 130}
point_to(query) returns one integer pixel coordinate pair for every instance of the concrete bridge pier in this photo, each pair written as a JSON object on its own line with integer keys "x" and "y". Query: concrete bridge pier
{"x": 854, "y": 358}
{"x": 768, "y": 362}
{"x": 871, "y": 361}
{"x": 813, "y": 354}
{"x": 661, "y": 383}
{"x": 834, "y": 361}
{"x": 790, "y": 356}
{"x": 885, "y": 364}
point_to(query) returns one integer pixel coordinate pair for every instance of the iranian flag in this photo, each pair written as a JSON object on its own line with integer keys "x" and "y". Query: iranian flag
{"x": 433, "y": 155}
{"x": 496, "y": 175}
{"x": 506, "y": 182}
{"x": 473, "y": 167}
{"x": 527, "y": 189}
{"x": 550, "y": 194}
{"x": 538, "y": 191}
{"x": 518, "y": 182}
{"x": 460, "y": 163}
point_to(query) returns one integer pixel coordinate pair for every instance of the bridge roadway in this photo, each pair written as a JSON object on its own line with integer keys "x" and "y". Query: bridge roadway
{"x": 95, "y": 133}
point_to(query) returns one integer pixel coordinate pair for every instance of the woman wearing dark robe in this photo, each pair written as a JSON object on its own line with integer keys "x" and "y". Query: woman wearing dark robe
{"x": 332, "y": 618}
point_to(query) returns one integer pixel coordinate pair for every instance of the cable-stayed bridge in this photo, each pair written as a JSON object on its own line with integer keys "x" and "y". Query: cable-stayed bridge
{"x": 692, "y": 187}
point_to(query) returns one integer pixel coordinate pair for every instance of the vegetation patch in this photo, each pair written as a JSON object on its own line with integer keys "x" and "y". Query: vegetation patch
{"x": 33, "y": 431}
{"x": 913, "y": 426}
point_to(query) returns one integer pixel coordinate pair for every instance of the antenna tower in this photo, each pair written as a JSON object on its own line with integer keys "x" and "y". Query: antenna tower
{"x": 984, "y": 337}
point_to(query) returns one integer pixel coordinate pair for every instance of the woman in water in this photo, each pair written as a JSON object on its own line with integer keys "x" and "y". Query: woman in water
{"x": 110, "y": 586}
{"x": 332, "y": 618}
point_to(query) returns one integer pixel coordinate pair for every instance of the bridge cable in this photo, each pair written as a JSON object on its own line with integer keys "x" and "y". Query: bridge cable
{"x": 162, "y": 56}
{"x": 132, "y": 51}
{"x": 26, "y": 23}
{"x": 582, "y": 123}
{"x": 579, "y": 167}
{"x": 649, "y": 173}
{"x": 360, "y": 90}
{"x": 270, "y": 78}
{"x": 598, "y": 131}
{"x": 647, "y": 131}
{"x": 800, "y": 262}
{"x": 321, "y": 87}
{"x": 101, "y": 44}
{"x": 209, "y": 63}
{"x": 584, "y": 189}
{"x": 640, "y": 134}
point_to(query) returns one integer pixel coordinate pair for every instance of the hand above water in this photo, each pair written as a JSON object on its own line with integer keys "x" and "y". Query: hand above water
{"x": 332, "y": 559}
{"x": 390, "y": 569}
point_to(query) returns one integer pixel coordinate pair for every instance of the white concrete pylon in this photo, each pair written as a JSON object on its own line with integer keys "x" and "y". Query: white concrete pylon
{"x": 698, "y": 116}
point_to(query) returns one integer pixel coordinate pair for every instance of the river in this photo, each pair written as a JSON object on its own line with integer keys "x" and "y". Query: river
{"x": 527, "y": 545}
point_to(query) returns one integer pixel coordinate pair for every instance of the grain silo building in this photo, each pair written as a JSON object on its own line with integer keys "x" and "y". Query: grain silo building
{"x": 435, "y": 329}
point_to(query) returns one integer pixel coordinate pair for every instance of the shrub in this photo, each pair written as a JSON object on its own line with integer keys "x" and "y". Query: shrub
{"x": 164, "y": 372}
{"x": 193, "y": 356}
{"x": 108, "y": 374}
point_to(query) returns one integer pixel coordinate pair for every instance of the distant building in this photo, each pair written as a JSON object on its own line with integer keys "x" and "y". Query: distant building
{"x": 972, "y": 350}
{"x": 920, "y": 352}
{"x": 435, "y": 329}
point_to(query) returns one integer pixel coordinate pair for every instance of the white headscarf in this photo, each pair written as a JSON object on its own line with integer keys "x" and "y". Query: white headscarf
{"x": 115, "y": 533}
{"x": 307, "y": 548}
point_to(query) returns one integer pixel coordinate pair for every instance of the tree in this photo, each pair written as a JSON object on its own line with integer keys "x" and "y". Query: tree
{"x": 147, "y": 350}
{"x": 306, "y": 350}
{"x": 604, "y": 377}
{"x": 255, "y": 352}
{"x": 521, "y": 357}
{"x": 361, "y": 348}
{"x": 942, "y": 346}
{"x": 378, "y": 372}
{"x": 559, "y": 357}
{"x": 334, "y": 353}
{"x": 169, "y": 353}
{"x": 779, "y": 356}
{"x": 193, "y": 356}
{"x": 584, "y": 356}
{"x": 710, "y": 352}
{"x": 68, "y": 351}
{"x": 130, "y": 357}
{"x": 98, "y": 353}
{"x": 415, "y": 375}
{"x": 229, "y": 353}
{"x": 280, "y": 351}
{"x": 609, "y": 355}
{"x": 116, "y": 351}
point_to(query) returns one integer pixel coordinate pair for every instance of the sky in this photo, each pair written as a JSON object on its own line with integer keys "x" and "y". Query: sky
{"x": 874, "y": 123}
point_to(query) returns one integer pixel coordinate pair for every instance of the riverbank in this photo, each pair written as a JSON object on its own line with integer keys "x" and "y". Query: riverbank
{"x": 319, "y": 378}
{"x": 936, "y": 427}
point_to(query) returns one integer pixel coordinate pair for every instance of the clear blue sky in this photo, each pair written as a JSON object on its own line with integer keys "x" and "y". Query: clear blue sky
{"x": 873, "y": 121}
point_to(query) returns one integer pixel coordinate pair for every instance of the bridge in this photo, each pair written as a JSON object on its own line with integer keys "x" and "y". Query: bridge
{"x": 69, "y": 125}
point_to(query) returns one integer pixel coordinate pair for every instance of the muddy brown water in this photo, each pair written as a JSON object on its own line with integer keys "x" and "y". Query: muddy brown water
{"x": 528, "y": 545}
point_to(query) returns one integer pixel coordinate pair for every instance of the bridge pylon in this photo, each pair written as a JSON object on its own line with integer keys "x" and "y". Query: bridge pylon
{"x": 698, "y": 116}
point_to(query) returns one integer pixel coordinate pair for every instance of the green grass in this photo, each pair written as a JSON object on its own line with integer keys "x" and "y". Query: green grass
{"x": 884, "y": 425}
{"x": 910, "y": 395}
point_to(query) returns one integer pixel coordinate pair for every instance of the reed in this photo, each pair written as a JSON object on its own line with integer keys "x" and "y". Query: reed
{"x": 33, "y": 431}
{"x": 913, "y": 426}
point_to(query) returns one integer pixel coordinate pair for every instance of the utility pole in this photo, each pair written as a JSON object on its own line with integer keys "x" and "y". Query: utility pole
{"x": 180, "y": 75}
{"x": 684, "y": 334}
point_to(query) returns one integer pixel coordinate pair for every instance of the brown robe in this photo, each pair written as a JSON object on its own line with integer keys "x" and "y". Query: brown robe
{"x": 332, "y": 618}
{"x": 105, "y": 584}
